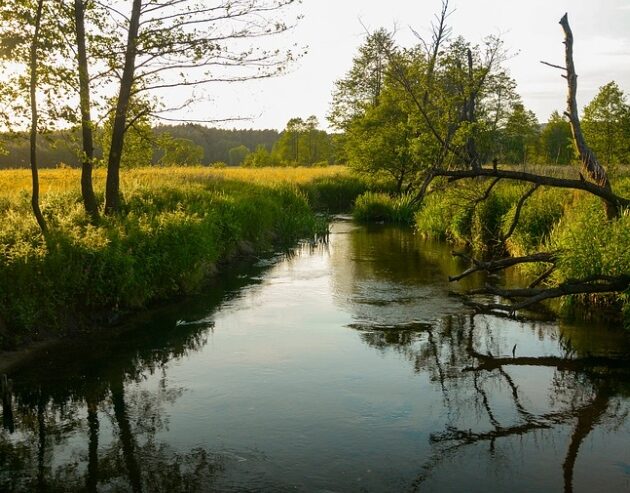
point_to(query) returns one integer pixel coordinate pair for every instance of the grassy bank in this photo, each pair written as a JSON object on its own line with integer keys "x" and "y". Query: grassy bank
{"x": 572, "y": 223}
{"x": 176, "y": 226}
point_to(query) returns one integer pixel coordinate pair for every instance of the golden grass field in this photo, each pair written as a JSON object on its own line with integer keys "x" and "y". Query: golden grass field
{"x": 16, "y": 181}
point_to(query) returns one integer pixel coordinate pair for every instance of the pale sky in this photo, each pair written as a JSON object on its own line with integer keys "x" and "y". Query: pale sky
{"x": 332, "y": 30}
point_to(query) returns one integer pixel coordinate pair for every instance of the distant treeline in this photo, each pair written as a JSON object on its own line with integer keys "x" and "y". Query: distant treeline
{"x": 62, "y": 146}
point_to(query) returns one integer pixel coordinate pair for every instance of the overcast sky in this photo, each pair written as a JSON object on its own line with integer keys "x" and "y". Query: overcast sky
{"x": 332, "y": 30}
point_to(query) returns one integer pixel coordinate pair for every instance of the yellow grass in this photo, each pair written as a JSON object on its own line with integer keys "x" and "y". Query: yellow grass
{"x": 16, "y": 181}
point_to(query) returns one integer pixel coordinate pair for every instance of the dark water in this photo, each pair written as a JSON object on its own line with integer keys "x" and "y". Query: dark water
{"x": 344, "y": 367}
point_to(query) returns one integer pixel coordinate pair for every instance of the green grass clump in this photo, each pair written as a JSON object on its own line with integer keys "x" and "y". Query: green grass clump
{"x": 382, "y": 207}
{"x": 334, "y": 194}
{"x": 539, "y": 215}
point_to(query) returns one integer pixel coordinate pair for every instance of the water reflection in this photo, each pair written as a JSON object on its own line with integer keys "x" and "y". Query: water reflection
{"x": 348, "y": 366}
{"x": 86, "y": 416}
{"x": 493, "y": 395}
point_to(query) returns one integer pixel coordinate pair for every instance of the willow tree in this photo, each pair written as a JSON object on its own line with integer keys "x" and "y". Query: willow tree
{"x": 180, "y": 44}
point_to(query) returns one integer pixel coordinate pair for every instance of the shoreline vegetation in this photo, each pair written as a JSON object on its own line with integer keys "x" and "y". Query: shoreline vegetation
{"x": 571, "y": 225}
{"x": 178, "y": 225}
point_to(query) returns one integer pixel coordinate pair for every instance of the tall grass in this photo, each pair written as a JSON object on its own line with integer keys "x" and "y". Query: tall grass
{"x": 176, "y": 226}
{"x": 383, "y": 207}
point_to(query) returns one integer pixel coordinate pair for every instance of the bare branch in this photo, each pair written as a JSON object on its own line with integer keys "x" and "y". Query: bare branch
{"x": 553, "y": 65}
{"x": 497, "y": 265}
{"x": 517, "y": 212}
{"x": 602, "y": 192}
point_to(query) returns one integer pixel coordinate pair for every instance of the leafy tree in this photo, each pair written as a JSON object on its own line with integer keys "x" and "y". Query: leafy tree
{"x": 237, "y": 155}
{"x": 259, "y": 158}
{"x": 177, "y": 151}
{"x": 362, "y": 86}
{"x": 381, "y": 142}
{"x": 606, "y": 125}
{"x": 30, "y": 96}
{"x": 556, "y": 140}
{"x": 288, "y": 148}
{"x": 302, "y": 143}
{"x": 521, "y": 135}
{"x": 185, "y": 43}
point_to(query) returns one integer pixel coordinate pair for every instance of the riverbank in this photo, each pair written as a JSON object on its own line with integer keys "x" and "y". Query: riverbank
{"x": 177, "y": 227}
{"x": 571, "y": 223}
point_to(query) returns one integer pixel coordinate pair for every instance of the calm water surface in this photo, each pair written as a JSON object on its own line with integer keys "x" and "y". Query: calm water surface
{"x": 344, "y": 367}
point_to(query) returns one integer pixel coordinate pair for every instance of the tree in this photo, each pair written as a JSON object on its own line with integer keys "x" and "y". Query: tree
{"x": 87, "y": 135}
{"x": 593, "y": 180}
{"x": 556, "y": 141}
{"x": 362, "y": 86}
{"x": 521, "y": 135}
{"x": 183, "y": 43}
{"x": 289, "y": 145}
{"x": 380, "y": 141}
{"x": 178, "y": 151}
{"x": 28, "y": 36}
{"x": 237, "y": 155}
{"x": 260, "y": 158}
{"x": 606, "y": 124}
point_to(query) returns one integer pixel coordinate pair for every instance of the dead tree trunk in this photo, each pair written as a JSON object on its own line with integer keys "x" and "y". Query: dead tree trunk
{"x": 590, "y": 164}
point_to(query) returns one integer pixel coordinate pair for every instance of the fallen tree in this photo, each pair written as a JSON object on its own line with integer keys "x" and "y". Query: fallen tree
{"x": 593, "y": 180}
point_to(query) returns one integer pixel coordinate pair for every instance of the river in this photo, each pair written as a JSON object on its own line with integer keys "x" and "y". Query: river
{"x": 346, "y": 366}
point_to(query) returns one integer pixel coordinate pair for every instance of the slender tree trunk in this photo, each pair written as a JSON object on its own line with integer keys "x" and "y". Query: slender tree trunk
{"x": 35, "y": 118}
{"x": 112, "y": 187}
{"x": 590, "y": 163}
{"x": 87, "y": 190}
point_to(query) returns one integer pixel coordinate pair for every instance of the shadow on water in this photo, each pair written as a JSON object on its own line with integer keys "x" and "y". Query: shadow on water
{"x": 509, "y": 405}
{"x": 82, "y": 390}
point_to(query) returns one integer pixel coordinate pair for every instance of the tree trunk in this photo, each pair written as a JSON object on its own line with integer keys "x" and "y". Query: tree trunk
{"x": 112, "y": 188}
{"x": 87, "y": 191}
{"x": 34, "y": 119}
{"x": 590, "y": 164}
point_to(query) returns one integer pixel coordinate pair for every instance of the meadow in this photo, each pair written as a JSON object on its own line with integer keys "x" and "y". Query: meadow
{"x": 176, "y": 227}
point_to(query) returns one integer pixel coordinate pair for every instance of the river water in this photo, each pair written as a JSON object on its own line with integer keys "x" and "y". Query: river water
{"x": 349, "y": 366}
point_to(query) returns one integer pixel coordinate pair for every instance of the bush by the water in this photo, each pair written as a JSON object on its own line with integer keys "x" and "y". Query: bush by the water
{"x": 382, "y": 207}
{"x": 176, "y": 225}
